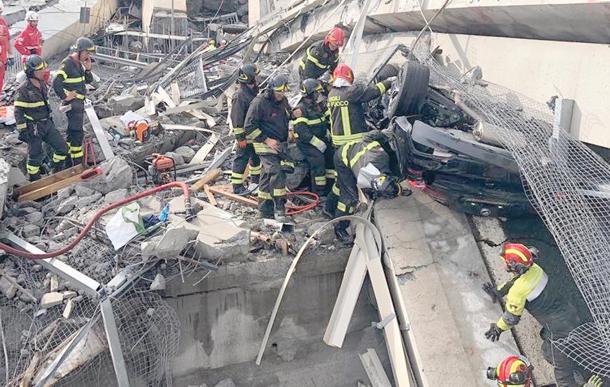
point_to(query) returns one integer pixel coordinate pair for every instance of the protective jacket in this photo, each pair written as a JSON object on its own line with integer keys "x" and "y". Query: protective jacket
{"x": 239, "y": 109}
{"x": 544, "y": 300}
{"x": 5, "y": 37}
{"x": 346, "y": 105}
{"x": 317, "y": 60}
{"x": 29, "y": 42}
{"x": 31, "y": 105}
{"x": 267, "y": 118}
{"x": 312, "y": 127}
{"x": 72, "y": 76}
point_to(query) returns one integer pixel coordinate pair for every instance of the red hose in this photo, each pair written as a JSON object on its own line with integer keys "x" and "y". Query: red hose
{"x": 293, "y": 210}
{"x": 98, "y": 214}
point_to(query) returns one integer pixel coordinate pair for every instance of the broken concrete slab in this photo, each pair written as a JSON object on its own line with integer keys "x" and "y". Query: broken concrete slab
{"x": 7, "y": 287}
{"x": 120, "y": 104}
{"x": 116, "y": 174}
{"x": 68, "y": 309}
{"x": 158, "y": 282}
{"x": 30, "y": 230}
{"x": 64, "y": 193}
{"x": 172, "y": 243}
{"x": 177, "y": 157}
{"x": 87, "y": 200}
{"x": 35, "y": 218}
{"x": 16, "y": 177}
{"x": 186, "y": 152}
{"x": 226, "y": 383}
{"x": 67, "y": 205}
{"x": 323, "y": 237}
{"x": 83, "y": 191}
{"x": 51, "y": 299}
{"x": 115, "y": 196}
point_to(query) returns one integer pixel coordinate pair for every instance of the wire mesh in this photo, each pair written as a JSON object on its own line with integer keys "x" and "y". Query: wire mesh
{"x": 568, "y": 184}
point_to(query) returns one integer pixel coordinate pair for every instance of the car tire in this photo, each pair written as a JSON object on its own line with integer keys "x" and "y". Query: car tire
{"x": 412, "y": 88}
{"x": 387, "y": 71}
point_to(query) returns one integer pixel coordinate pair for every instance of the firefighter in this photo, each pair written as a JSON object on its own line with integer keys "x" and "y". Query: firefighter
{"x": 70, "y": 85}
{"x": 346, "y": 102}
{"x": 322, "y": 56}
{"x": 367, "y": 164}
{"x": 33, "y": 117}
{"x": 6, "y": 54}
{"x": 312, "y": 136}
{"x": 512, "y": 371}
{"x": 248, "y": 89}
{"x": 29, "y": 41}
{"x": 267, "y": 127}
{"x": 211, "y": 46}
{"x": 530, "y": 288}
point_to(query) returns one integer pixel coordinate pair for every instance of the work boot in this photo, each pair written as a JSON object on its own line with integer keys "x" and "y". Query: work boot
{"x": 77, "y": 161}
{"x": 330, "y": 206}
{"x": 280, "y": 211}
{"x": 254, "y": 179}
{"x": 265, "y": 209}
{"x": 34, "y": 176}
{"x": 341, "y": 233}
{"x": 59, "y": 166}
{"x": 239, "y": 189}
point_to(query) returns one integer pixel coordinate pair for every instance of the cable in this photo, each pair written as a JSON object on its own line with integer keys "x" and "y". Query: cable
{"x": 96, "y": 216}
{"x": 441, "y": 9}
{"x": 294, "y": 210}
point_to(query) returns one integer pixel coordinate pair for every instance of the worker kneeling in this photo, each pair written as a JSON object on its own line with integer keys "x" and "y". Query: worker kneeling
{"x": 34, "y": 122}
{"x": 371, "y": 165}
{"x": 312, "y": 134}
{"x": 531, "y": 289}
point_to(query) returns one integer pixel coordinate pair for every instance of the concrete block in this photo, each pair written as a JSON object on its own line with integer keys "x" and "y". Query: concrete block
{"x": 175, "y": 239}
{"x": 226, "y": 383}
{"x": 115, "y": 196}
{"x": 54, "y": 284}
{"x": 88, "y": 200}
{"x": 51, "y": 299}
{"x": 16, "y": 177}
{"x": 177, "y": 157}
{"x": 68, "y": 309}
{"x": 116, "y": 174}
{"x": 35, "y": 218}
{"x": 64, "y": 193}
{"x": 186, "y": 152}
{"x": 121, "y": 104}
{"x": 7, "y": 288}
{"x": 326, "y": 236}
{"x": 68, "y": 294}
{"x": 67, "y": 205}
{"x": 30, "y": 230}
{"x": 83, "y": 191}
{"x": 158, "y": 283}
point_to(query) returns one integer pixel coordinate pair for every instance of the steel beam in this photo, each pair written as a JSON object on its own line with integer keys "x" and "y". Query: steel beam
{"x": 112, "y": 334}
{"x": 99, "y": 132}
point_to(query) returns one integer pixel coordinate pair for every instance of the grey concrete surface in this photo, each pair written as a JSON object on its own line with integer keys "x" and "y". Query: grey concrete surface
{"x": 4, "y": 173}
{"x": 440, "y": 271}
{"x": 224, "y": 318}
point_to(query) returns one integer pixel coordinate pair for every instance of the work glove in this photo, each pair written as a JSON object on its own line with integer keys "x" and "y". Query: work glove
{"x": 493, "y": 333}
{"x": 594, "y": 381}
{"x": 242, "y": 144}
{"x": 490, "y": 289}
{"x": 10, "y": 61}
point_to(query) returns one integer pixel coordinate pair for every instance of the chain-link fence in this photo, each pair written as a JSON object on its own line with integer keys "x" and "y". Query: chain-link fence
{"x": 568, "y": 184}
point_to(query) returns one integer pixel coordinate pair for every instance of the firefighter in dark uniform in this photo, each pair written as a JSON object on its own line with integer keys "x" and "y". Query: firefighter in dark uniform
{"x": 366, "y": 164}
{"x": 312, "y": 135}
{"x": 322, "y": 56}
{"x": 70, "y": 86}
{"x": 33, "y": 117}
{"x": 248, "y": 89}
{"x": 346, "y": 104}
{"x": 267, "y": 127}
{"x": 530, "y": 289}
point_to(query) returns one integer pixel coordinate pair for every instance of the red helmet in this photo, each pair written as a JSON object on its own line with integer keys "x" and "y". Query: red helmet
{"x": 512, "y": 371}
{"x": 343, "y": 71}
{"x": 517, "y": 257}
{"x": 335, "y": 36}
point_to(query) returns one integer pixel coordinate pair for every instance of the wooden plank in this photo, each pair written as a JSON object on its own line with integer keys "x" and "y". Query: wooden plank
{"x": 374, "y": 369}
{"x": 186, "y": 127}
{"x": 205, "y": 150}
{"x": 56, "y": 186}
{"x": 241, "y": 199}
{"x": 50, "y": 179}
{"x": 210, "y": 195}
{"x": 165, "y": 97}
{"x": 206, "y": 179}
{"x": 209, "y": 120}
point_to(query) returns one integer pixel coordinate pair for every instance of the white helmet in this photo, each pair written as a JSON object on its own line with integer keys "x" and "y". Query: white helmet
{"x": 31, "y": 16}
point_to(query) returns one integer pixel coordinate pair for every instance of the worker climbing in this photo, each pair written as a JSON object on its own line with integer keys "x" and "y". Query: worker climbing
{"x": 346, "y": 104}
{"x": 267, "y": 127}
{"x": 371, "y": 165}
{"x": 322, "y": 56}
{"x": 211, "y": 45}
{"x": 312, "y": 135}
{"x": 34, "y": 122}
{"x": 70, "y": 85}
{"x": 6, "y": 55}
{"x": 531, "y": 289}
{"x": 29, "y": 41}
{"x": 244, "y": 154}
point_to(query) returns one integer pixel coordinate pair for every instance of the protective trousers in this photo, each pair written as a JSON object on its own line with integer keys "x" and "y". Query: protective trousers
{"x": 272, "y": 186}
{"x": 348, "y": 191}
{"x": 564, "y": 367}
{"x": 75, "y": 132}
{"x": 240, "y": 161}
{"x": 45, "y": 132}
{"x": 317, "y": 167}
